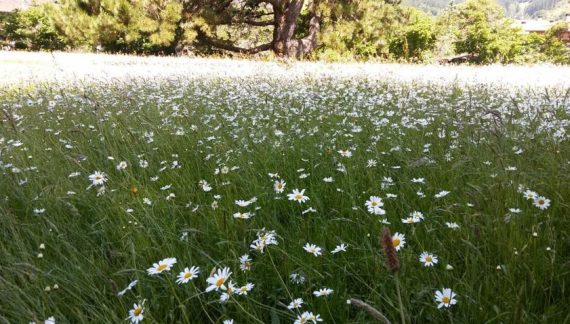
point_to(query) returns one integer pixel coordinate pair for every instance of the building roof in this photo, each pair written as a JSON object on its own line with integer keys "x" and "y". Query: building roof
{"x": 11, "y": 5}
{"x": 534, "y": 25}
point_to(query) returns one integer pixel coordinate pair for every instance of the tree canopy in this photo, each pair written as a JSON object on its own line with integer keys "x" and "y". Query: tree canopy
{"x": 315, "y": 29}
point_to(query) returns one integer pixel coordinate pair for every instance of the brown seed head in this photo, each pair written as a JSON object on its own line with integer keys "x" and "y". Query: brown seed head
{"x": 392, "y": 260}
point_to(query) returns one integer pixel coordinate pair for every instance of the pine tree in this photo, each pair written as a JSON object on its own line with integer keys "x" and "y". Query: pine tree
{"x": 120, "y": 25}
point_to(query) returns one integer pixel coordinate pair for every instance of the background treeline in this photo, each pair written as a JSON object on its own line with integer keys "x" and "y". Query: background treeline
{"x": 316, "y": 29}
{"x": 546, "y": 9}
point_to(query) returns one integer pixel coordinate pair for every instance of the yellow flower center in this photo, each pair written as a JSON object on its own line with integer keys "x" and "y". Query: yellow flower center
{"x": 541, "y": 202}
{"x": 280, "y": 186}
{"x": 445, "y": 300}
{"x": 396, "y": 242}
{"x": 298, "y": 197}
{"x": 220, "y": 281}
{"x": 428, "y": 258}
{"x": 187, "y": 275}
{"x": 137, "y": 311}
{"x": 374, "y": 204}
{"x": 161, "y": 267}
{"x": 98, "y": 177}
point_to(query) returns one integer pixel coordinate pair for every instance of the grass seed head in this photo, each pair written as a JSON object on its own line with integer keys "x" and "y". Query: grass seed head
{"x": 392, "y": 260}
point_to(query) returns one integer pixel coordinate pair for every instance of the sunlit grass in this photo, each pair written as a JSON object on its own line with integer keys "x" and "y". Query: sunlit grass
{"x": 485, "y": 145}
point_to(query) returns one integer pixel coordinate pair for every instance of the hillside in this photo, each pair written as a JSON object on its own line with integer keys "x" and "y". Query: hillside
{"x": 548, "y": 9}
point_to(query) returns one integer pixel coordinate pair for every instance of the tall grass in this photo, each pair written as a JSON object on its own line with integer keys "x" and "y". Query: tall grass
{"x": 484, "y": 145}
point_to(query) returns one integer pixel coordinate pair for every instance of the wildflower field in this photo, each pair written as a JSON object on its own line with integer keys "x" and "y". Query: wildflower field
{"x": 275, "y": 198}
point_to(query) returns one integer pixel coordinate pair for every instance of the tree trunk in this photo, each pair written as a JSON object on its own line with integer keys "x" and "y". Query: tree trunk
{"x": 285, "y": 19}
{"x": 283, "y": 44}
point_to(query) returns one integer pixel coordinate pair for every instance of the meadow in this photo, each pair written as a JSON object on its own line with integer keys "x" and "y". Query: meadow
{"x": 161, "y": 196}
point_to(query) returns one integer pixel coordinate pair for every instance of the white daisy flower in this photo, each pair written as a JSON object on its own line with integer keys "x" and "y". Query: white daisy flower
{"x": 50, "y": 320}
{"x": 452, "y": 225}
{"x": 122, "y": 165}
{"x": 279, "y": 186}
{"x": 243, "y": 290}
{"x": 205, "y": 185}
{"x": 136, "y": 314}
{"x": 323, "y": 292}
{"x": 399, "y": 241}
{"x": 541, "y": 202}
{"x": 98, "y": 178}
{"x": 374, "y": 204}
{"x": 428, "y": 259}
{"x": 298, "y": 196}
{"x": 217, "y": 280}
{"x": 295, "y": 303}
{"x": 345, "y": 153}
{"x": 241, "y": 215}
{"x": 313, "y": 249}
{"x": 445, "y": 298}
{"x": 242, "y": 203}
{"x": 161, "y": 266}
{"x": 339, "y": 248}
{"x": 129, "y": 287}
{"x": 245, "y": 262}
{"x": 187, "y": 275}
{"x": 530, "y": 195}
{"x": 441, "y": 194}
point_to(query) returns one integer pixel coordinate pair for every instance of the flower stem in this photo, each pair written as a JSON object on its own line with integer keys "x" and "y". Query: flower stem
{"x": 402, "y": 315}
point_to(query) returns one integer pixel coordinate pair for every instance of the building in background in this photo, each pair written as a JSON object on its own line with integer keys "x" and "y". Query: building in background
{"x": 530, "y": 26}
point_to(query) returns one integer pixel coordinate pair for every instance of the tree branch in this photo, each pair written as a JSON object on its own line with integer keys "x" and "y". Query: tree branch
{"x": 259, "y": 14}
{"x": 228, "y": 46}
{"x": 256, "y": 23}
{"x": 248, "y": 21}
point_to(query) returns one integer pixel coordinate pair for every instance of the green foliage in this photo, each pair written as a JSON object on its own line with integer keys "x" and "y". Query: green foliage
{"x": 349, "y": 30}
{"x": 484, "y": 32}
{"x": 416, "y": 39}
{"x": 554, "y": 48}
{"x": 360, "y": 29}
{"x": 533, "y": 48}
{"x": 120, "y": 25}
{"x": 32, "y": 29}
{"x": 4, "y": 16}
{"x": 546, "y": 48}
